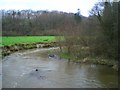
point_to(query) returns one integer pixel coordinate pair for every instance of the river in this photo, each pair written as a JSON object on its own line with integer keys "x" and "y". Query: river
{"x": 19, "y": 71}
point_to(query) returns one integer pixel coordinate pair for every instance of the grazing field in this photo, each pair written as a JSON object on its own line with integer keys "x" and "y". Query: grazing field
{"x": 10, "y": 40}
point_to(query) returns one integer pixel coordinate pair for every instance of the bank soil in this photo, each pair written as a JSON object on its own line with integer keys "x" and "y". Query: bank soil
{"x": 7, "y": 50}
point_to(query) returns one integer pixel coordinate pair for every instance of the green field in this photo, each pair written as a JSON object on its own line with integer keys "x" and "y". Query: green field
{"x": 10, "y": 40}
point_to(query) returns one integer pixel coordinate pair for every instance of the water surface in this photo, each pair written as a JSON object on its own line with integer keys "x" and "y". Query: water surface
{"x": 19, "y": 71}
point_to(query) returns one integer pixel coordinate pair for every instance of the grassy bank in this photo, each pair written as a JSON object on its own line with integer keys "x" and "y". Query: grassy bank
{"x": 10, "y": 44}
{"x": 91, "y": 60}
{"x": 11, "y": 40}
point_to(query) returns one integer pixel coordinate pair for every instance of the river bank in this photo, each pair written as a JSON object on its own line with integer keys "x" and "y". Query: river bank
{"x": 91, "y": 60}
{"x": 7, "y": 50}
{"x": 99, "y": 61}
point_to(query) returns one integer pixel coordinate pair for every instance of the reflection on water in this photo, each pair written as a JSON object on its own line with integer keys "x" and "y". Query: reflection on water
{"x": 19, "y": 71}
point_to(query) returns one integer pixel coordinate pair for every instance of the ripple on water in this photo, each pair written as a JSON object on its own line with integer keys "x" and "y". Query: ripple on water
{"x": 19, "y": 71}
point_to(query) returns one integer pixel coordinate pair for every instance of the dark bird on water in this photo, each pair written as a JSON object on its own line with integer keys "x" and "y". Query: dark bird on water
{"x": 51, "y": 55}
{"x": 36, "y": 70}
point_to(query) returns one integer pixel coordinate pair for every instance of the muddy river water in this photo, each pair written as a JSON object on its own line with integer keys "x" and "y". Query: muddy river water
{"x": 19, "y": 71}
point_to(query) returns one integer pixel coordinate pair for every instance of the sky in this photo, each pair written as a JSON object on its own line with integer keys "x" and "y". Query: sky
{"x": 60, "y": 5}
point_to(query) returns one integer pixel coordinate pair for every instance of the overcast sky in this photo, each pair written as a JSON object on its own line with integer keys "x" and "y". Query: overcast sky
{"x": 60, "y": 5}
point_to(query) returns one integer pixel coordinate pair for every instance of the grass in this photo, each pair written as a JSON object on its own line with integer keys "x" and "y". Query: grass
{"x": 66, "y": 55}
{"x": 10, "y": 40}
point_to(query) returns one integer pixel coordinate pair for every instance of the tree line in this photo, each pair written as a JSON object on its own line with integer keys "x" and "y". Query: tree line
{"x": 30, "y": 22}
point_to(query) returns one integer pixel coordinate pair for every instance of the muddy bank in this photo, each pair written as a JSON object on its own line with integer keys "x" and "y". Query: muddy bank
{"x": 92, "y": 60}
{"x": 7, "y": 50}
{"x": 99, "y": 61}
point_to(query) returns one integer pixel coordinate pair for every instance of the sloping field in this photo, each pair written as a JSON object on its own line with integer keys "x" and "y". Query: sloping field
{"x": 10, "y": 40}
